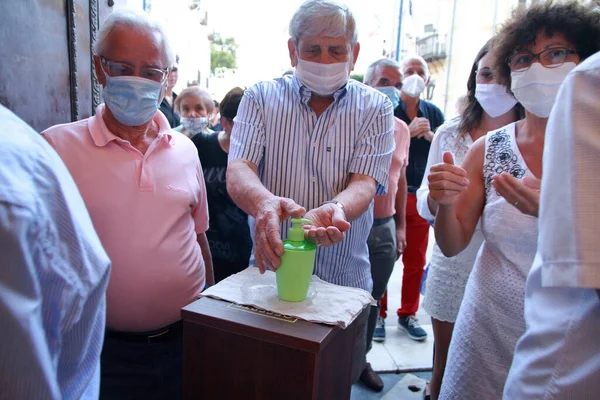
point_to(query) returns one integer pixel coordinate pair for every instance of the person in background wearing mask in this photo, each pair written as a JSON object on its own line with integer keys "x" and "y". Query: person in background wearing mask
{"x": 533, "y": 53}
{"x": 557, "y": 356}
{"x": 167, "y": 103}
{"x": 215, "y": 118}
{"x": 194, "y": 105}
{"x": 387, "y": 237}
{"x": 315, "y": 141}
{"x": 143, "y": 186}
{"x": 422, "y": 118}
{"x": 488, "y": 106}
{"x": 228, "y": 234}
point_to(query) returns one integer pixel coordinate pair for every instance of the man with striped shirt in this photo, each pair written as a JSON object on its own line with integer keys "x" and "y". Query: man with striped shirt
{"x": 318, "y": 142}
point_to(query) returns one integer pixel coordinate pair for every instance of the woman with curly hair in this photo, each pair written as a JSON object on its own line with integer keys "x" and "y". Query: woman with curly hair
{"x": 533, "y": 53}
{"x": 487, "y": 106}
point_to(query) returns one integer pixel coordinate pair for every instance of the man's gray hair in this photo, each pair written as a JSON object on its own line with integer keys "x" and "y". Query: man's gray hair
{"x": 323, "y": 18}
{"x": 138, "y": 21}
{"x": 384, "y": 62}
{"x": 418, "y": 58}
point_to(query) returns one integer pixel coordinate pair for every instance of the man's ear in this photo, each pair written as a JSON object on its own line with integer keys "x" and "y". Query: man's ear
{"x": 355, "y": 52}
{"x": 292, "y": 51}
{"x": 99, "y": 72}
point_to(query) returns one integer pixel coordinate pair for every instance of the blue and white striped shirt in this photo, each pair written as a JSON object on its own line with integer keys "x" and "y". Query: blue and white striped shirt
{"x": 53, "y": 274}
{"x": 310, "y": 158}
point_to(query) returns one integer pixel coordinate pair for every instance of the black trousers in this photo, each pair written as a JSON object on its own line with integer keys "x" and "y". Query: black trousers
{"x": 142, "y": 366}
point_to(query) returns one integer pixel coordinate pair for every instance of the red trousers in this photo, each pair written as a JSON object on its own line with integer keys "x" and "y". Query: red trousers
{"x": 413, "y": 258}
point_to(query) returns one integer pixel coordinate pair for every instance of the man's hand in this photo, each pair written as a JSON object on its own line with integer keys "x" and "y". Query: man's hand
{"x": 419, "y": 127}
{"x": 329, "y": 225}
{"x": 268, "y": 247}
{"x": 447, "y": 181}
{"x": 525, "y": 194}
{"x": 400, "y": 241}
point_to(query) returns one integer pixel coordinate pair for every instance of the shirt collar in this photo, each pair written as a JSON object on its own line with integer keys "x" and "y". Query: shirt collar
{"x": 102, "y": 136}
{"x": 305, "y": 93}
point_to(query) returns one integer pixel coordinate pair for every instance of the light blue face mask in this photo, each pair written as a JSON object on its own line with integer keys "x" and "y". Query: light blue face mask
{"x": 392, "y": 93}
{"x": 131, "y": 99}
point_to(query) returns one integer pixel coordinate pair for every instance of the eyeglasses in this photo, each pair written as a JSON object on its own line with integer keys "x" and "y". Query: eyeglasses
{"x": 549, "y": 58}
{"x": 114, "y": 68}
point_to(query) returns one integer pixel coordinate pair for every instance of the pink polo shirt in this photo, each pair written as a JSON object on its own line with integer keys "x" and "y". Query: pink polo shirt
{"x": 147, "y": 210}
{"x": 385, "y": 206}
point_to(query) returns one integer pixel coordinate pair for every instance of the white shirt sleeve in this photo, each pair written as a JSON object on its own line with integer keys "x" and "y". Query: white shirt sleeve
{"x": 435, "y": 157}
{"x": 569, "y": 223}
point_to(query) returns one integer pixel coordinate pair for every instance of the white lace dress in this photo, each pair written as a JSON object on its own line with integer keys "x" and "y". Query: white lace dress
{"x": 447, "y": 276}
{"x": 491, "y": 319}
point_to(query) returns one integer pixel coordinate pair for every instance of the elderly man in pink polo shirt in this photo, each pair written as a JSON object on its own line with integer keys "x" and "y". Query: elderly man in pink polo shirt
{"x": 387, "y": 238}
{"x": 144, "y": 189}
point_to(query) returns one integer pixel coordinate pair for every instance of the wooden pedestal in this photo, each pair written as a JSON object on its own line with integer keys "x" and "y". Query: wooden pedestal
{"x": 239, "y": 352}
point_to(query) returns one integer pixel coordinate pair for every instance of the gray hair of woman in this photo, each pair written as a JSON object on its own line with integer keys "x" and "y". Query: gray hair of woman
{"x": 326, "y": 18}
{"x": 138, "y": 21}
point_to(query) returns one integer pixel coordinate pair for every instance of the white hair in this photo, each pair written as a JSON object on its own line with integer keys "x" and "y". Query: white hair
{"x": 138, "y": 21}
{"x": 384, "y": 62}
{"x": 416, "y": 57}
{"x": 323, "y": 18}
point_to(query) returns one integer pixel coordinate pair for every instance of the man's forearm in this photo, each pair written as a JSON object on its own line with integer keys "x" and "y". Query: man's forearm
{"x": 245, "y": 187}
{"x": 400, "y": 205}
{"x": 207, "y": 257}
{"x": 357, "y": 196}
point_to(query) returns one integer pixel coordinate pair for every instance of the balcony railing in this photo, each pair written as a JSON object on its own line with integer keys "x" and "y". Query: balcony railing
{"x": 432, "y": 47}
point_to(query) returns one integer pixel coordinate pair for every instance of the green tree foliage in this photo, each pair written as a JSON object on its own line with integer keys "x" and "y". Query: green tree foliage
{"x": 358, "y": 77}
{"x": 222, "y": 52}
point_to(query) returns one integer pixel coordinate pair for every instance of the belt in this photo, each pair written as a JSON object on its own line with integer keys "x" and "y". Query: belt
{"x": 381, "y": 221}
{"x": 165, "y": 334}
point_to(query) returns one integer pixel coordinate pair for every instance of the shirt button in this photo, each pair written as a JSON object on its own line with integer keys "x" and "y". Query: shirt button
{"x": 315, "y": 144}
{"x": 314, "y": 178}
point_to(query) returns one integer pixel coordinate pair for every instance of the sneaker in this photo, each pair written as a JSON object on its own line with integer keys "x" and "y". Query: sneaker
{"x": 411, "y": 326}
{"x": 379, "y": 333}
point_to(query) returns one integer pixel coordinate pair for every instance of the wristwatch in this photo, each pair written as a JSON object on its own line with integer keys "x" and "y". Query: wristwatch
{"x": 337, "y": 203}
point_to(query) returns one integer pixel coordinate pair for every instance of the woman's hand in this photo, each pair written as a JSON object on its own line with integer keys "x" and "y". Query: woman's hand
{"x": 523, "y": 194}
{"x": 447, "y": 181}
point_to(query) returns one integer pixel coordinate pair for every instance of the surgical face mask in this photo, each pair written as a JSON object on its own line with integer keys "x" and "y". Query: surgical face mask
{"x": 194, "y": 125}
{"x": 322, "y": 79}
{"x": 536, "y": 87}
{"x": 132, "y": 100}
{"x": 392, "y": 93}
{"x": 494, "y": 99}
{"x": 413, "y": 85}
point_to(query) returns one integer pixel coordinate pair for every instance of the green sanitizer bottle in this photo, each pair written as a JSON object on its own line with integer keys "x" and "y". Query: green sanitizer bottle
{"x": 297, "y": 263}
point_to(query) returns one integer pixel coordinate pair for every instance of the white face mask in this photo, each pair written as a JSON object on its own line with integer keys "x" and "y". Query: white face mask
{"x": 413, "y": 85}
{"x": 494, "y": 99}
{"x": 322, "y": 79}
{"x": 194, "y": 125}
{"x": 536, "y": 88}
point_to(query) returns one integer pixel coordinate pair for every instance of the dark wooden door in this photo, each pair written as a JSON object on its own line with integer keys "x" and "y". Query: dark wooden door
{"x": 46, "y": 73}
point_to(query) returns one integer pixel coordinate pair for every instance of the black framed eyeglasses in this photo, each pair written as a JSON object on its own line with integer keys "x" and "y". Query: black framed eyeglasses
{"x": 549, "y": 58}
{"x": 114, "y": 68}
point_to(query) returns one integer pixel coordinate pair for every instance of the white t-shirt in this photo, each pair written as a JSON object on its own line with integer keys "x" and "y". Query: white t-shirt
{"x": 558, "y": 357}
